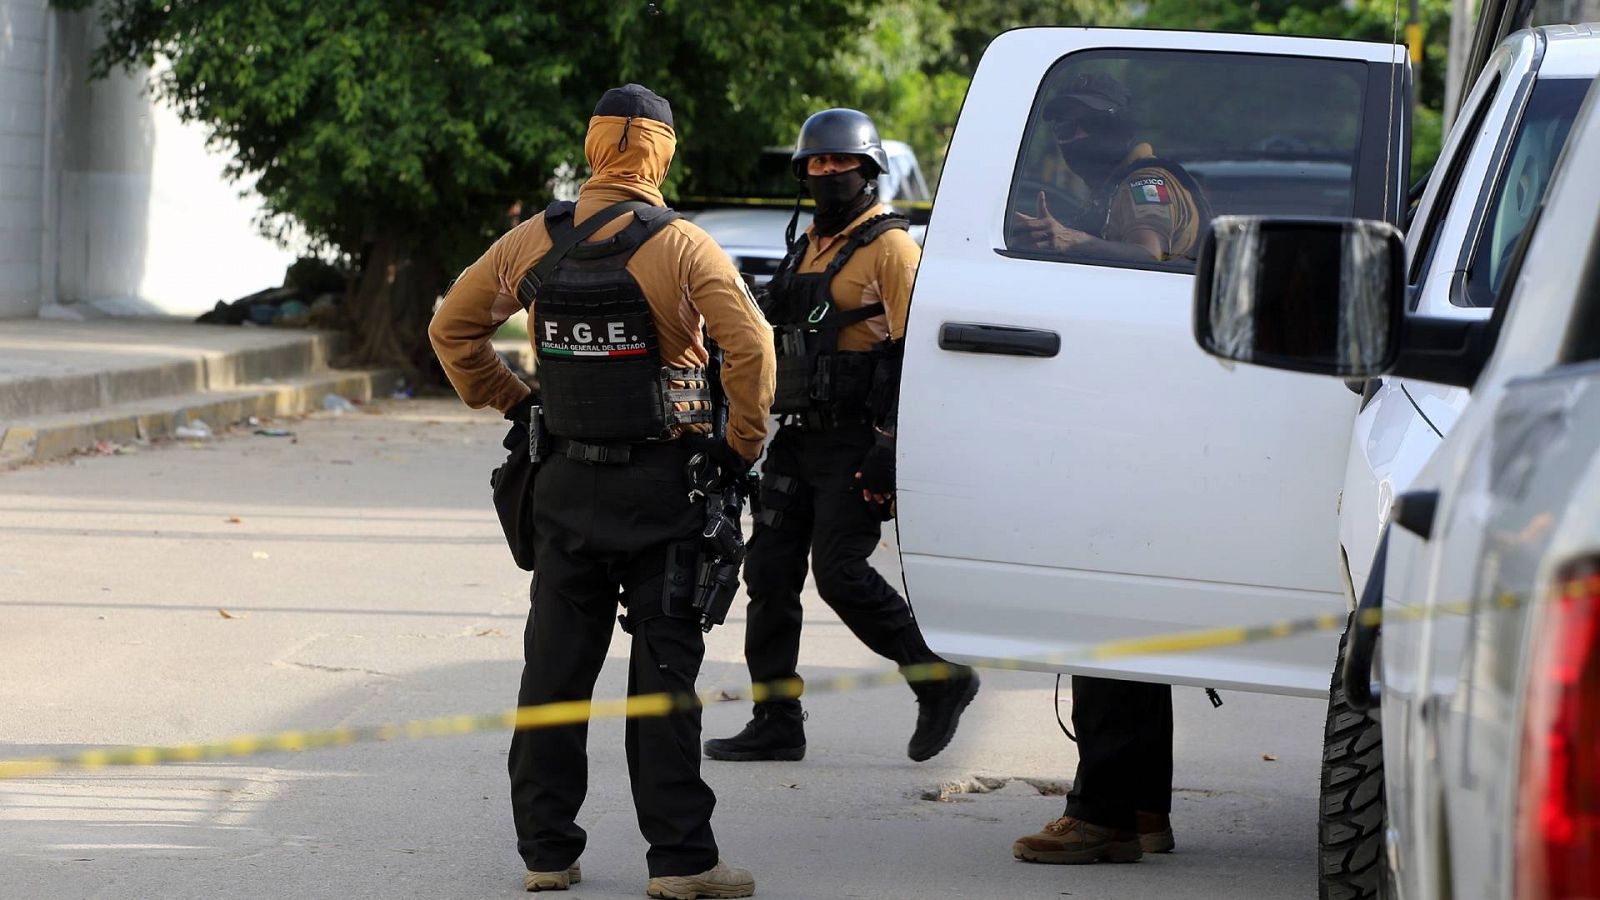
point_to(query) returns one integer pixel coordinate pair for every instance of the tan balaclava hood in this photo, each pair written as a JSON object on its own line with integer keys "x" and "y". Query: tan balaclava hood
{"x": 629, "y": 146}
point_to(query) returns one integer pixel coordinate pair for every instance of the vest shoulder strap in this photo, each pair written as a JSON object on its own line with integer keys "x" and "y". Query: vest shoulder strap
{"x": 564, "y": 236}
{"x": 833, "y": 318}
{"x": 559, "y": 209}
{"x": 645, "y": 224}
{"x": 866, "y": 233}
{"x": 791, "y": 257}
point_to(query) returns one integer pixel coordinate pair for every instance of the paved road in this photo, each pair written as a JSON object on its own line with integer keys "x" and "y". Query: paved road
{"x": 363, "y": 581}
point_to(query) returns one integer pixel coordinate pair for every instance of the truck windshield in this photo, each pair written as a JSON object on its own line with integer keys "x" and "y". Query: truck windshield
{"x": 1128, "y": 153}
{"x": 1541, "y": 134}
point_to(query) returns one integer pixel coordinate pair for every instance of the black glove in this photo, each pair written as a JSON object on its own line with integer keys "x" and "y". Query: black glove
{"x": 730, "y": 464}
{"x": 523, "y": 411}
{"x": 875, "y": 475}
{"x": 516, "y": 436}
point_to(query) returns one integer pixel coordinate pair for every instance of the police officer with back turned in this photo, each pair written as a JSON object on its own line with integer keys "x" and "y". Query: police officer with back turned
{"x": 617, "y": 287}
{"x": 838, "y": 308}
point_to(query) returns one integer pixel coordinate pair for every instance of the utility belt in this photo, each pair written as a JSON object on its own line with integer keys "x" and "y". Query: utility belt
{"x": 617, "y": 453}
{"x": 528, "y": 445}
{"x": 702, "y": 574}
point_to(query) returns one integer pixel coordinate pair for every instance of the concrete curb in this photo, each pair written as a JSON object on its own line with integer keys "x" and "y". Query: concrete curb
{"x": 52, "y": 437}
{"x": 213, "y": 370}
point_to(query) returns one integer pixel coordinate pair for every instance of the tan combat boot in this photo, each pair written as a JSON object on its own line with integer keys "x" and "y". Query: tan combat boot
{"x": 721, "y": 880}
{"x": 553, "y": 881}
{"x": 1155, "y": 832}
{"x": 1070, "y": 841}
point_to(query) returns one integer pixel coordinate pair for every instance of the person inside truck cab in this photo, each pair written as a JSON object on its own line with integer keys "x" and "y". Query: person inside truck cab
{"x": 1138, "y": 207}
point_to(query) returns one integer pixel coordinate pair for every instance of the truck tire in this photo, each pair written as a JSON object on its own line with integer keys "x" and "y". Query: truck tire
{"x": 1351, "y": 821}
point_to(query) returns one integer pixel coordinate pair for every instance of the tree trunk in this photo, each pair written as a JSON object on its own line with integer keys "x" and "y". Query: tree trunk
{"x": 389, "y": 310}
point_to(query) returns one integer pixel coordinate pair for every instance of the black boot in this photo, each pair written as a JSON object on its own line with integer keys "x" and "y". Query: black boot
{"x": 777, "y": 731}
{"x": 939, "y": 708}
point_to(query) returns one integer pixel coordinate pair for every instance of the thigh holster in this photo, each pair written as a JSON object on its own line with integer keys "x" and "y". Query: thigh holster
{"x": 777, "y": 495}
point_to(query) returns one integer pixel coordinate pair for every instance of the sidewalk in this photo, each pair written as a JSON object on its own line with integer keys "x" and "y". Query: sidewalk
{"x": 69, "y": 386}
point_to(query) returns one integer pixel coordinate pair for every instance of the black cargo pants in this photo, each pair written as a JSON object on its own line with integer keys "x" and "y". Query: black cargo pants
{"x": 812, "y": 506}
{"x": 601, "y": 535}
{"x": 1124, "y": 731}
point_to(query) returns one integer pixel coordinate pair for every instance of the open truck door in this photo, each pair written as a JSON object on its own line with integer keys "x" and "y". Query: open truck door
{"x": 1073, "y": 468}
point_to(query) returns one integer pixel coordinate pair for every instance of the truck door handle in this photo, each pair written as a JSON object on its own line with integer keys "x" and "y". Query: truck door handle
{"x": 1006, "y": 340}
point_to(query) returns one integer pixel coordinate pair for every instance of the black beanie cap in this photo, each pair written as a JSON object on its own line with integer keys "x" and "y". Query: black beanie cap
{"x": 635, "y": 101}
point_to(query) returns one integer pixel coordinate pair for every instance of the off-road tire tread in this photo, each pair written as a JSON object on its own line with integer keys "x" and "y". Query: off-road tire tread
{"x": 1351, "y": 819}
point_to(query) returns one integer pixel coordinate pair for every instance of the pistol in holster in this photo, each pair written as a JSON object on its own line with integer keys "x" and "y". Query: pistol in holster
{"x": 722, "y": 552}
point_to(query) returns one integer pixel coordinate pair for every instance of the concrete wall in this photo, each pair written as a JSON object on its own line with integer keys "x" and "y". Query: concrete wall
{"x": 116, "y": 204}
{"x": 22, "y": 129}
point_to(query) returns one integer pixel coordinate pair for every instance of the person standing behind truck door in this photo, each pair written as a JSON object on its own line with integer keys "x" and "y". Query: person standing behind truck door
{"x": 838, "y": 306}
{"x": 1141, "y": 208}
{"x": 617, "y": 327}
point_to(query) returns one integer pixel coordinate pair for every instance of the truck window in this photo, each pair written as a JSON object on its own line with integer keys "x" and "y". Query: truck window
{"x": 1551, "y": 108}
{"x": 1450, "y": 174}
{"x": 1127, "y": 153}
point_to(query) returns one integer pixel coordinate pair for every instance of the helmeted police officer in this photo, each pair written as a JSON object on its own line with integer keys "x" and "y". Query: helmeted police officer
{"x": 838, "y": 308}
{"x": 1140, "y": 208}
{"x": 616, "y": 322}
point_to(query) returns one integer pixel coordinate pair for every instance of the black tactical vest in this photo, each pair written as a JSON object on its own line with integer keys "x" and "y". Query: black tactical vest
{"x": 599, "y": 355}
{"x": 813, "y": 374}
{"x": 1100, "y": 211}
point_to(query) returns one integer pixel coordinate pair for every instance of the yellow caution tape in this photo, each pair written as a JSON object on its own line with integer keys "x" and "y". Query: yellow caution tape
{"x": 551, "y": 715}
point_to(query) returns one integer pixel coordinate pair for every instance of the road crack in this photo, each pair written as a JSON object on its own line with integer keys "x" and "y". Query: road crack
{"x": 314, "y": 667}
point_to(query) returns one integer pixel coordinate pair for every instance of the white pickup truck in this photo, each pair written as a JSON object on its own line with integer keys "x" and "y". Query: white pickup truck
{"x": 1124, "y": 485}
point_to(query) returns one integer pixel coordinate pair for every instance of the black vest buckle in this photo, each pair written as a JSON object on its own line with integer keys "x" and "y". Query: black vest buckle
{"x": 596, "y": 454}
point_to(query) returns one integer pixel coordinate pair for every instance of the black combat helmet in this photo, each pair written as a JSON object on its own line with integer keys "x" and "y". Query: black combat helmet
{"x": 843, "y": 131}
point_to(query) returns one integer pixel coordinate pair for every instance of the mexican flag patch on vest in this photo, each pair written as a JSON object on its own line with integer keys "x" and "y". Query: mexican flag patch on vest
{"x": 1151, "y": 190}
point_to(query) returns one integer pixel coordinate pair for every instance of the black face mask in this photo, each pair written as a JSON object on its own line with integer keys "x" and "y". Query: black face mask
{"x": 1093, "y": 156}
{"x": 841, "y": 198}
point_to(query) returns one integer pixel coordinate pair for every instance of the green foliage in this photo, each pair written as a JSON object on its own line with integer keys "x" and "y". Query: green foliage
{"x": 1427, "y": 139}
{"x": 427, "y": 118}
{"x": 910, "y": 66}
{"x": 913, "y": 61}
{"x": 424, "y": 120}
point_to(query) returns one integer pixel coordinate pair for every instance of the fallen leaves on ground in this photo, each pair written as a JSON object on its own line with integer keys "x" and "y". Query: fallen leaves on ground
{"x": 1269, "y": 757}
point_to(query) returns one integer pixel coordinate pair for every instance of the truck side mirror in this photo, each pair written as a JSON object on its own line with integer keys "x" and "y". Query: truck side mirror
{"x": 1309, "y": 295}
